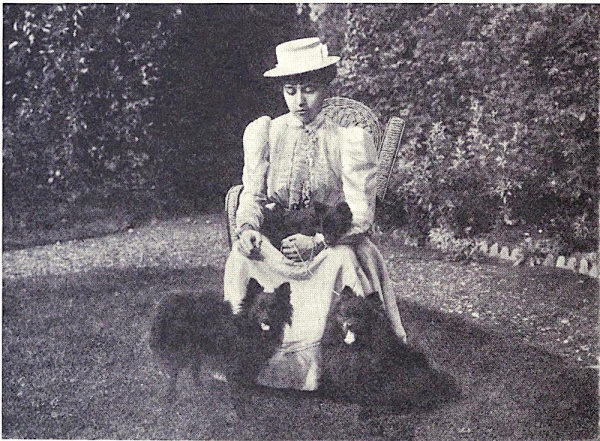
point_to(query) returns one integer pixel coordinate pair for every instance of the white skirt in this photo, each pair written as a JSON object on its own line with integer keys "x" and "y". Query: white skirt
{"x": 314, "y": 286}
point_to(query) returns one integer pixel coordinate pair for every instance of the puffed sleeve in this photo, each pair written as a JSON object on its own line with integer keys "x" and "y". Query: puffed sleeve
{"x": 359, "y": 169}
{"x": 254, "y": 177}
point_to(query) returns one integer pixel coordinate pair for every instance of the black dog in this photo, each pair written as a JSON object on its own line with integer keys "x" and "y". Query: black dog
{"x": 364, "y": 361}
{"x": 332, "y": 222}
{"x": 192, "y": 331}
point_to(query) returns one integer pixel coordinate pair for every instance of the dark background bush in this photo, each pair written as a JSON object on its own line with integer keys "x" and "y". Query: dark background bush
{"x": 143, "y": 107}
{"x": 501, "y": 103}
{"x": 140, "y": 106}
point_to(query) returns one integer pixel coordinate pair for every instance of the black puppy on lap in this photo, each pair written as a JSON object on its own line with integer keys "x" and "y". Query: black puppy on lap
{"x": 332, "y": 222}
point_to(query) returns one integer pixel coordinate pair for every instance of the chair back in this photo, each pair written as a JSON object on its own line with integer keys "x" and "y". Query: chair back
{"x": 351, "y": 113}
{"x": 347, "y": 112}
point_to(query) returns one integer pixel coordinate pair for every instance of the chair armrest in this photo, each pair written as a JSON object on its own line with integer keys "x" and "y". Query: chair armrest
{"x": 232, "y": 201}
{"x": 388, "y": 153}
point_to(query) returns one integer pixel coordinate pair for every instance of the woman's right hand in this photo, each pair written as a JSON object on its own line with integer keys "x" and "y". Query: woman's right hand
{"x": 250, "y": 242}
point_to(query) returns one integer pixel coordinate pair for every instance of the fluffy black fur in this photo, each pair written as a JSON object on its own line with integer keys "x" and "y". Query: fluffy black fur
{"x": 364, "y": 361}
{"x": 253, "y": 344}
{"x": 194, "y": 331}
{"x": 332, "y": 222}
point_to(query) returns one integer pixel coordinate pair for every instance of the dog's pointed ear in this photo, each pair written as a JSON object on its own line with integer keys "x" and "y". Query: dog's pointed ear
{"x": 284, "y": 291}
{"x": 374, "y": 299}
{"x": 320, "y": 209}
{"x": 347, "y": 293}
{"x": 253, "y": 288}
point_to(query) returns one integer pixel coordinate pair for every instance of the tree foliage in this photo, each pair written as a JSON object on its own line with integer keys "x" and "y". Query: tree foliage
{"x": 108, "y": 98}
{"x": 501, "y": 103}
{"x": 78, "y": 82}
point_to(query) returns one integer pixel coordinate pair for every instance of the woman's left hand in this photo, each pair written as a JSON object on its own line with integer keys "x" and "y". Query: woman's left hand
{"x": 298, "y": 247}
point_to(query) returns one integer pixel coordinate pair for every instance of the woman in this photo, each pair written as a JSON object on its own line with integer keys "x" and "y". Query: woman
{"x": 294, "y": 160}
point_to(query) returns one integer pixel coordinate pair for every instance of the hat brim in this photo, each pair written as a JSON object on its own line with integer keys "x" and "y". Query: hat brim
{"x": 284, "y": 71}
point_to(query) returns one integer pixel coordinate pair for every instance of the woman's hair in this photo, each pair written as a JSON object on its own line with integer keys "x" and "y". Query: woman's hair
{"x": 322, "y": 76}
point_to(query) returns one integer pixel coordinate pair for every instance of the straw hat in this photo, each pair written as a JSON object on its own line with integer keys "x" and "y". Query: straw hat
{"x": 300, "y": 56}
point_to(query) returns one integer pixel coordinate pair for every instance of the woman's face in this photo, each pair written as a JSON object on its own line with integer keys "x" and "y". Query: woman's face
{"x": 304, "y": 100}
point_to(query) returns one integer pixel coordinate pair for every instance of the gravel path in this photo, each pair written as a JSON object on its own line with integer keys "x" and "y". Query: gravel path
{"x": 170, "y": 244}
{"x": 545, "y": 307}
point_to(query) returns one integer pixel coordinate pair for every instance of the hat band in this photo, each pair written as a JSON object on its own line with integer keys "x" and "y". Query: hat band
{"x": 314, "y": 55}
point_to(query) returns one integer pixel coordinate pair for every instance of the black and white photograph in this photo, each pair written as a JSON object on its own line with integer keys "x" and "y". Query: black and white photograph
{"x": 301, "y": 221}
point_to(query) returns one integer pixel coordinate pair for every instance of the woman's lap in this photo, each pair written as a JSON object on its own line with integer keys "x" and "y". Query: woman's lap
{"x": 314, "y": 286}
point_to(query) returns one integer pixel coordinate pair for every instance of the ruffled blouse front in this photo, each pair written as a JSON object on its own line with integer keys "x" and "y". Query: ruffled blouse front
{"x": 303, "y": 162}
{"x": 291, "y": 163}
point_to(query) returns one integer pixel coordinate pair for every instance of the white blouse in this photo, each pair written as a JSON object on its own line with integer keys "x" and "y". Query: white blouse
{"x": 285, "y": 159}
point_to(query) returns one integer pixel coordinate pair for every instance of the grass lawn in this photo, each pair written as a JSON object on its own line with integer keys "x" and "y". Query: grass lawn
{"x": 76, "y": 362}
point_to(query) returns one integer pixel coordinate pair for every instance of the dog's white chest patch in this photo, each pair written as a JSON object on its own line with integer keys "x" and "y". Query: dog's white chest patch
{"x": 350, "y": 337}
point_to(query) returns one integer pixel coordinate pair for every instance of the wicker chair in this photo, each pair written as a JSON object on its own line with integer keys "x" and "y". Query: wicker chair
{"x": 347, "y": 113}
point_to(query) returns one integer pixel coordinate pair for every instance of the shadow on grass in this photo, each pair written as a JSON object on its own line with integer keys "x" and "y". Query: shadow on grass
{"x": 510, "y": 389}
{"x": 76, "y": 364}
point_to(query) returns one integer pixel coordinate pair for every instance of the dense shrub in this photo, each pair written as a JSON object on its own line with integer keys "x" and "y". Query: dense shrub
{"x": 103, "y": 100}
{"x": 501, "y": 105}
{"x": 500, "y": 100}
{"x": 78, "y": 80}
